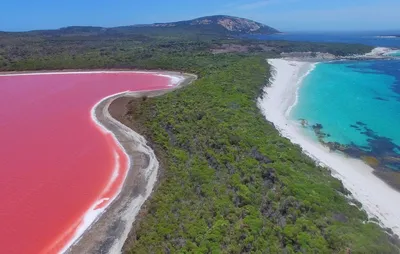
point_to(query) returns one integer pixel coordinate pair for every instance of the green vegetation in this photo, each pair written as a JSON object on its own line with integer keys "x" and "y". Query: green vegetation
{"x": 231, "y": 183}
{"x": 139, "y": 47}
{"x": 54, "y": 53}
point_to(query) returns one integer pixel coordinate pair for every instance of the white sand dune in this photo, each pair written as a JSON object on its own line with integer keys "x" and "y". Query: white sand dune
{"x": 378, "y": 199}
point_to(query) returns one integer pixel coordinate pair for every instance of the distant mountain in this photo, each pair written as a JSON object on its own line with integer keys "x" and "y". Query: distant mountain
{"x": 221, "y": 26}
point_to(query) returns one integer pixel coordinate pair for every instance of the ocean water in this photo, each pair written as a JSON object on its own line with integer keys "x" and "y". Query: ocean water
{"x": 395, "y": 53}
{"x": 356, "y": 102}
{"x": 358, "y": 105}
{"x": 56, "y": 163}
{"x": 368, "y": 38}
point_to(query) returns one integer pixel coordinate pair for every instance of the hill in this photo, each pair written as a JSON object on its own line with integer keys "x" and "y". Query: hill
{"x": 146, "y": 45}
{"x": 230, "y": 183}
{"x": 220, "y": 26}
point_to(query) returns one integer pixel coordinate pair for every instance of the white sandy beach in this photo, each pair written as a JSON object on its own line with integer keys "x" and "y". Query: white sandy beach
{"x": 378, "y": 199}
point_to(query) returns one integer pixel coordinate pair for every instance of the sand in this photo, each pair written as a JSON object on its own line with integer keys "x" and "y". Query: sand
{"x": 106, "y": 231}
{"x": 378, "y": 199}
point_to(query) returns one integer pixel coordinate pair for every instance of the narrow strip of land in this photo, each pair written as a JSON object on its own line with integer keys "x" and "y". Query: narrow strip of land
{"x": 109, "y": 232}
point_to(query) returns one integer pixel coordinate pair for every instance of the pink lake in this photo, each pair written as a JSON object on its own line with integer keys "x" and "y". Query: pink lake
{"x": 55, "y": 161}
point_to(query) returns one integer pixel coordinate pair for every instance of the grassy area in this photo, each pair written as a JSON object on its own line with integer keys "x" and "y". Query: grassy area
{"x": 231, "y": 183}
{"x": 34, "y": 51}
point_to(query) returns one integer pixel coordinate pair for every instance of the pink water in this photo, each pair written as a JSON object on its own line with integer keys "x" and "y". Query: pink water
{"x": 55, "y": 163}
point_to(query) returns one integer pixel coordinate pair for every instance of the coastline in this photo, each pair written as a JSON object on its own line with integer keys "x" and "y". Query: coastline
{"x": 281, "y": 96}
{"x": 376, "y": 53}
{"x": 107, "y": 229}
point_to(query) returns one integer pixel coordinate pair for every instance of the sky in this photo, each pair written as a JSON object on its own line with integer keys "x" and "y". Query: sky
{"x": 284, "y": 15}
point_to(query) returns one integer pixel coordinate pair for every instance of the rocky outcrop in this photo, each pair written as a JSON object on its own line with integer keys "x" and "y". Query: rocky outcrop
{"x": 222, "y": 23}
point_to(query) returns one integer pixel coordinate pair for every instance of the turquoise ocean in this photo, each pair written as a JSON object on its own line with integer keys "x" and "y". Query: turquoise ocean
{"x": 357, "y": 104}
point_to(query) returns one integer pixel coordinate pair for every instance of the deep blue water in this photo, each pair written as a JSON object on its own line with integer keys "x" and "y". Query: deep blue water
{"x": 371, "y": 39}
{"x": 358, "y": 105}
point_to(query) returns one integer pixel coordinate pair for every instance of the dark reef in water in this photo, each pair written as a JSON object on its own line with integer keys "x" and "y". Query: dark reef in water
{"x": 380, "y": 99}
{"x": 380, "y": 153}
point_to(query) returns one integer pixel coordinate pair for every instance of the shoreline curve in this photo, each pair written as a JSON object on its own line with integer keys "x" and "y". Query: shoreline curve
{"x": 281, "y": 95}
{"x": 109, "y": 228}
{"x": 106, "y": 229}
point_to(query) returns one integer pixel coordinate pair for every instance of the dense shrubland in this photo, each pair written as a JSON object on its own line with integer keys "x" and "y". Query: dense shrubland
{"x": 231, "y": 183}
{"x": 74, "y": 49}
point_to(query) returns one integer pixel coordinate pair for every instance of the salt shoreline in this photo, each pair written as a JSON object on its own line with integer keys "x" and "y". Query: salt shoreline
{"x": 378, "y": 198}
{"x": 124, "y": 208}
{"x": 90, "y": 237}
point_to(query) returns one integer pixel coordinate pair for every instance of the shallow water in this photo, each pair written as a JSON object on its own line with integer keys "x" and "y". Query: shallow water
{"x": 357, "y": 103}
{"x": 55, "y": 161}
{"x": 395, "y": 53}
